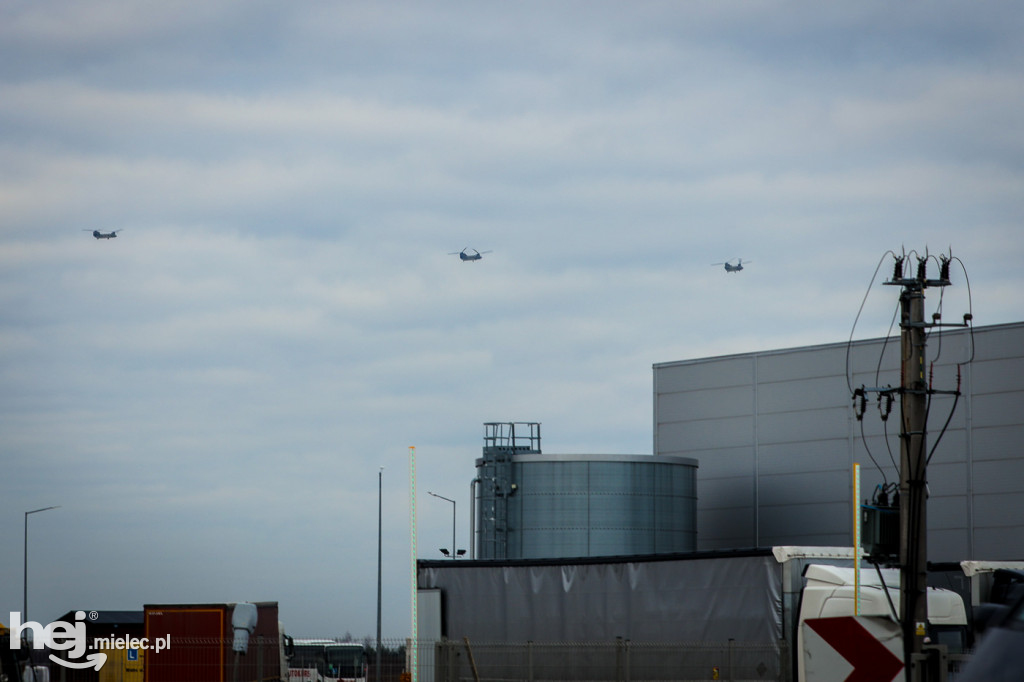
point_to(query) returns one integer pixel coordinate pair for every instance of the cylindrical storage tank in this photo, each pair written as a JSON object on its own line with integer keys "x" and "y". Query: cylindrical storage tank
{"x": 561, "y": 506}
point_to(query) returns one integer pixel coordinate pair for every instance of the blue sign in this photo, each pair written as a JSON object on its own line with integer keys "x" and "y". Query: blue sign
{"x": 133, "y": 654}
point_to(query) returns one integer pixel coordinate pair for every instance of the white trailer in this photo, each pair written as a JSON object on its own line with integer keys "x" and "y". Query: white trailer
{"x": 768, "y": 597}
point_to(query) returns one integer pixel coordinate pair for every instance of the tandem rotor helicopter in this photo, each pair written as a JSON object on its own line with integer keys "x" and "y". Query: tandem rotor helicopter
{"x": 467, "y": 256}
{"x": 729, "y": 267}
{"x": 103, "y": 235}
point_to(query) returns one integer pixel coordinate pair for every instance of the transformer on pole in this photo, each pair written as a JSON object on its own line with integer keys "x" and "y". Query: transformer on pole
{"x": 915, "y": 393}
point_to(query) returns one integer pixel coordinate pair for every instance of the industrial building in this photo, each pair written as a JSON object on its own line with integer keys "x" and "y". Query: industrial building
{"x": 574, "y": 548}
{"x": 776, "y": 434}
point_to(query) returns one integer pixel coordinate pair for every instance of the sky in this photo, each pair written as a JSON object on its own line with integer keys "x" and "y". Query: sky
{"x": 216, "y": 397}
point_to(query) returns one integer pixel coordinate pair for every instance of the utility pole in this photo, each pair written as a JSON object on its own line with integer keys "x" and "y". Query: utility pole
{"x": 913, "y": 478}
{"x": 915, "y": 391}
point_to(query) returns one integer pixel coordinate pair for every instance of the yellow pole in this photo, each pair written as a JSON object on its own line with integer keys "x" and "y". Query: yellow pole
{"x": 856, "y": 539}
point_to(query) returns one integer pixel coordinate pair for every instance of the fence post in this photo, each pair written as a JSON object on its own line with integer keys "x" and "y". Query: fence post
{"x": 447, "y": 660}
{"x": 628, "y": 675}
{"x": 732, "y": 675}
{"x": 529, "y": 660}
{"x": 259, "y": 658}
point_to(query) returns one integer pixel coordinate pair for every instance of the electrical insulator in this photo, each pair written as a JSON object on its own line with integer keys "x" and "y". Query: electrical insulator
{"x": 922, "y": 268}
{"x": 860, "y": 402}
{"x": 897, "y": 271}
{"x": 885, "y": 405}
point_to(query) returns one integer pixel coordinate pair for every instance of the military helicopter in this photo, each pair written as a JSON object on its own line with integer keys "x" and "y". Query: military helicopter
{"x": 466, "y": 255}
{"x": 729, "y": 267}
{"x": 103, "y": 235}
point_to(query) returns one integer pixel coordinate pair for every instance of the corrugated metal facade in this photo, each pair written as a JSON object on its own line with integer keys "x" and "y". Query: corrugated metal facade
{"x": 587, "y": 505}
{"x": 776, "y": 438}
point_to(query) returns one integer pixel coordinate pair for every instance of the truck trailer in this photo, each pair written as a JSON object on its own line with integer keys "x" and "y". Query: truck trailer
{"x": 766, "y": 607}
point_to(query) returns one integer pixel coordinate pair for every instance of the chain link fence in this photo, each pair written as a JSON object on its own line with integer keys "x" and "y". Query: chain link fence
{"x": 462, "y": 660}
{"x": 617, "y": 661}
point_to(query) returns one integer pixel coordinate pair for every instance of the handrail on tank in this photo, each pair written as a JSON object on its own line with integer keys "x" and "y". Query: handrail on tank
{"x": 504, "y": 436}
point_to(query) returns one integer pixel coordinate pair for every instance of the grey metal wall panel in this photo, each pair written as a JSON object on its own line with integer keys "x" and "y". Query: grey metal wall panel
{"x": 728, "y": 491}
{"x": 1000, "y": 476}
{"x": 997, "y": 376}
{"x": 725, "y": 461}
{"x": 997, "y": 409}
{"x": 999, "y": 543}
{"x": 725, "y": 527}
{"x": 1001, "y": 510}
{"x": 795, "y": 364}
{"x": 809, "y": 539}
{"x": 797, "y": 489}
{"x": 817, "y": 519}
{"x": 952, "y": 449}
{"x": 792, "y": 447}
{"x": 998, "y": 442}
{"x": 947, "y": 512}
{"x": 797, "y": 427}
{"x": 869, "y": 356}
{"x": 706, "y": 434}
{"x": 948, "y": 544}
{"x": 734, "y": 401}
{"x": 785, "y": 458}
{"x": 789, "y": 396}
{"x": 713, "y": 373}
{"x": 946, "y": 478}
{"x": 1000, "y": 343}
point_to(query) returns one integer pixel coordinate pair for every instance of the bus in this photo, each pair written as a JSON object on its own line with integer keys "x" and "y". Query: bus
{"x": 327, "y": 660}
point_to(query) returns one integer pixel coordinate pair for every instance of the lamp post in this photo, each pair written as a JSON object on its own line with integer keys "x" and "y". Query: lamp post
{"x": 24, "y": 588}
{"x": 441, "y": 497}
{"x": 380, "y": 507}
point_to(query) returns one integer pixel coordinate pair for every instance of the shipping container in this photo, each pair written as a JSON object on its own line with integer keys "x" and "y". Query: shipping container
{"x": 195, "y": 643}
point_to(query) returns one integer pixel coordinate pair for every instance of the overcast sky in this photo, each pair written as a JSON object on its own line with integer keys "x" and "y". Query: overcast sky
{"x": 210, "y": 396}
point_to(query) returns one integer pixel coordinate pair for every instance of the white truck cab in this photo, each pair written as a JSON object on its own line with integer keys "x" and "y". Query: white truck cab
{"x": 829, "y": 592}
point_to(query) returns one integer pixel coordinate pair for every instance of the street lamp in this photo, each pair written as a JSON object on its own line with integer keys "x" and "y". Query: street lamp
{"x": 24, "y": 589}
{"x": 380, "y": 517}
{"x": 454, "y": 553}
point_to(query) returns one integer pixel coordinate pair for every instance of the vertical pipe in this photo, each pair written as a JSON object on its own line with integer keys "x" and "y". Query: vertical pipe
{"x": 472, "y": 517}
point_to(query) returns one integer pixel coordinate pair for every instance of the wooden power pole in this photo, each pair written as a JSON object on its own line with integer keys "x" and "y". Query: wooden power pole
{"x": 915, "y": 391}
{"x": 913, "y": 479}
